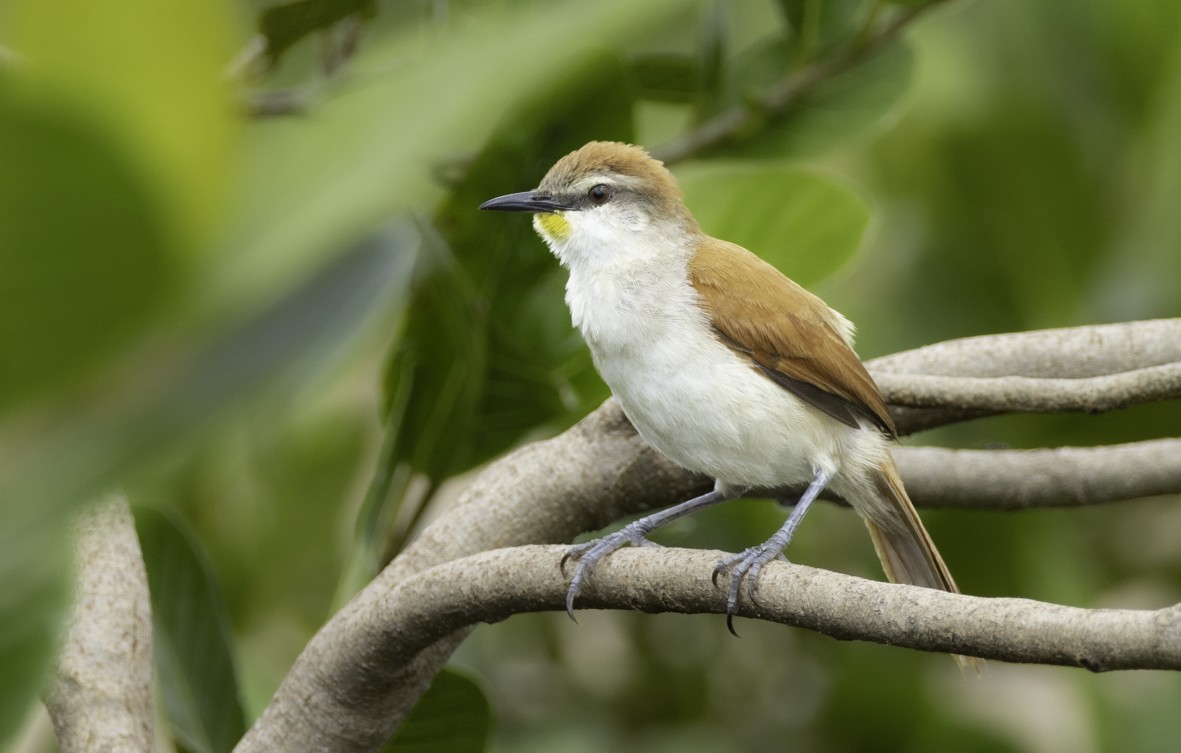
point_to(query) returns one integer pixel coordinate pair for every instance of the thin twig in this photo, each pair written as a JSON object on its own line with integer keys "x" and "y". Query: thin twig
{"x": 783, "y": 94}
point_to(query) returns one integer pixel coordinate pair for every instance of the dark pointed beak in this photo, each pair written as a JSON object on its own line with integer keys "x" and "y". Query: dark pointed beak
{"x": 525, "y": 201}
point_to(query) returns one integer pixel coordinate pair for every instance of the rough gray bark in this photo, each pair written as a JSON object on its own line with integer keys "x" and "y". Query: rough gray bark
{"x": 361, "y": 674}
{"x": 1051, "y": 354}
{"x": 494, "y": 585}
{"x": 365, "y": 669}
{"x": 1058, "y": 477}
{"x": 101, "y": 701}
{"x": 353, "y": 684}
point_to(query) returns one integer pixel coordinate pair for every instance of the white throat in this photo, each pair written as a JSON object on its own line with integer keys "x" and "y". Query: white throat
{"x": 626, "y": 287}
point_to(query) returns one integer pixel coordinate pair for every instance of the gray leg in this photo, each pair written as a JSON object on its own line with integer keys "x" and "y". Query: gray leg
{"x": 746, "y": 565}
{"x": 589, "y": 554}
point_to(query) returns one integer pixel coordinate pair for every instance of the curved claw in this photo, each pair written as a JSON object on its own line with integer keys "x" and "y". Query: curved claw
{"x": 589, "y": 554}
{"x": 719, "y": 569}
{"x": 730, "y": 625}
{"x": 575, "y": 553}
{"x": 635, "y": 533}
{"x": 570, "y": 594}
{"x": 725, "y": 564}
{"x": 744, "y": 567}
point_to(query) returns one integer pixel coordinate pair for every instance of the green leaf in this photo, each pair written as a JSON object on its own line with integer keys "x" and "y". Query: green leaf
{"x": 114, "y": 172}
{"x": 193, "y": 645}
{"x": 83, "y": 249}
{"x": 94, "y": 61}
{"x": 833, "y": 112}
{"x": 453, "y": 716}
{"x": 178, "y": 400}
{"x": 805, "y": 224}
{"x": 483, "y": 357}
{"x": 34, "y": 600}
{"x": 487, "y": 353}
{"x": 377, "y": 147}
{"x": 310, "y": 325}
{"x": 437, "y": 373}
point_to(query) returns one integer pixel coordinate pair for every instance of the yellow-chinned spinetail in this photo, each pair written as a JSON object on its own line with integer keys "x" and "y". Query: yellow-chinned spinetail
{"x": 721, "y": 362}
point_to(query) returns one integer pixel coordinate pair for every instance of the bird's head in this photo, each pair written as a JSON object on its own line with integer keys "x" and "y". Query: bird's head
{"x": 603, "y": 196}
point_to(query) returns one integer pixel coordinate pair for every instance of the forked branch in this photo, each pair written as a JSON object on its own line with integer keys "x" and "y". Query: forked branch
{"x": 367, "y": 666}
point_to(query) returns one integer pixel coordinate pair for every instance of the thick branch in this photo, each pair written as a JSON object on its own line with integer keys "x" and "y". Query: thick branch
{"x": 414, "y": 615}
{"x": 1072, "y": 353}
{"x": 491, "y": 586}
{"x": 102, "y": 698}
{"x": 359, "y": 676}
{"x": 1014, "y": 394}
{"x": 1059, "y": 477}
{"x": 352, "y": 686}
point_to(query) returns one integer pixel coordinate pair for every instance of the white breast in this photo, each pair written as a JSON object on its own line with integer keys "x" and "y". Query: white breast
{"x": 690, "y": 396}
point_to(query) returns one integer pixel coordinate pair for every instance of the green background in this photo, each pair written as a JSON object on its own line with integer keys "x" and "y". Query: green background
{"x": 289, "y": 339}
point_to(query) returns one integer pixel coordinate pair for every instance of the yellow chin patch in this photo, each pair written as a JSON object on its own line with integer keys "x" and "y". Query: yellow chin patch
{"x": 551, "y": 224}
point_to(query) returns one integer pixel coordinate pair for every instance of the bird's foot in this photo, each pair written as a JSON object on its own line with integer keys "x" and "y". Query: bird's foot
{"x": 744, "y": 568}
{"x": 586, "y": 556}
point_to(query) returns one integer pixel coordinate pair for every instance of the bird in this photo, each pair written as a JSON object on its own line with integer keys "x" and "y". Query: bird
{"x": 722, "y": 364}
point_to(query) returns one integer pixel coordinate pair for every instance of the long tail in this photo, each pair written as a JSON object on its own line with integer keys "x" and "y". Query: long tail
{"x": 907, "y": 552}
{"x": 905, "y": 548}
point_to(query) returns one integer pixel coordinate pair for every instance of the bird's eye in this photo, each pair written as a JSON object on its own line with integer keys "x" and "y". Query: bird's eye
{"x": 599, "y": 194}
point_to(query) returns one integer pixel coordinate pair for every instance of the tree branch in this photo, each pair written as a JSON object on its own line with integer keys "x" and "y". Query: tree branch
{"x": 102, "y": 698}
{"x": 352, "y": 686}
{"x": 1071, "y": 353}
{"x": 1017, "y": 394}
{"x": 1067, "y": 352}
{"x": 492, "y": 586}
{"x": 784, "y": 93}
{"x": 361, "y": 674}
{"x": 1022, "y": 479}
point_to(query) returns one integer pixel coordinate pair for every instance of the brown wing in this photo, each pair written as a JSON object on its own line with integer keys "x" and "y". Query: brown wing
{"x": 788, "y": 333}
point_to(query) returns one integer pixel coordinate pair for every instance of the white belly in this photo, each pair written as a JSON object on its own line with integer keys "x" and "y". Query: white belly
{"x": 690, "y": 396}
{"x": 697, "y": 402}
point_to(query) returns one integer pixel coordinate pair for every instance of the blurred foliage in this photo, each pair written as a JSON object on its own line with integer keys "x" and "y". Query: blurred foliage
{"x": 191, "y": 637}
{"x": 83, "y": 261}
{"x": 837, "y": 110}
{"x": 757, "y": 206}
{"x": 480, "y": 362}
{"x": 452, "y": 717}
{"x": 290, "y": 335}
{"x": 168, "y": 268}
{"x": 284, "y": 25}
